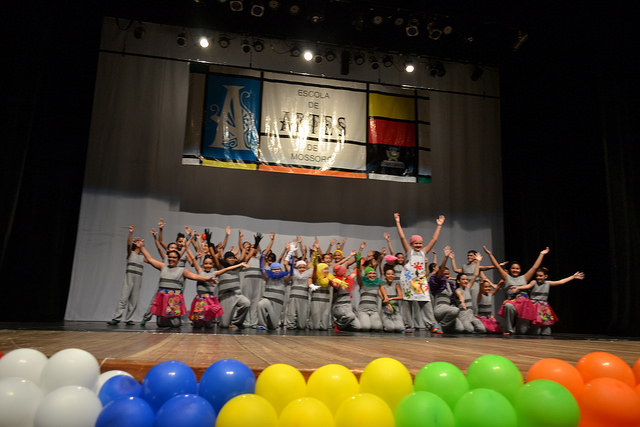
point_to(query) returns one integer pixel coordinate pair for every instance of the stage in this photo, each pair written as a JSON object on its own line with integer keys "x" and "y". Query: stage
{"x": 136, "y": 349}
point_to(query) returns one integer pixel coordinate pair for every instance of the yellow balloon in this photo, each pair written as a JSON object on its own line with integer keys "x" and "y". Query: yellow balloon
{"x": 332, "y": 384}
{"x": 280, "y": 384}
{"x": 306, "y": 412}
{"x": 247, "y": 410}
{"x": 364, "y": 410}
{"x": 388, "y": 379}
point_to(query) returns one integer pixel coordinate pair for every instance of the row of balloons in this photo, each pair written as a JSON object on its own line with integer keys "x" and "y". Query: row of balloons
{"x": 68, "y": 390}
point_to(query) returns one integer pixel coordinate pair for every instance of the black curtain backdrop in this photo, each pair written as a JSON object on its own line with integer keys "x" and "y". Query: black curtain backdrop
{"x": 570, "y": 157}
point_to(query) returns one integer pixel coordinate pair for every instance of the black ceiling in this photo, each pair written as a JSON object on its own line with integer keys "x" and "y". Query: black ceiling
{"x": 483, "y": 31}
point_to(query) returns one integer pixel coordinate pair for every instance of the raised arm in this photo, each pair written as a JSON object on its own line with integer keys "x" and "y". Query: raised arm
{"x": 536, "y": 265}
{"x": 198, "y": 278}
{"x": 147, "y": 256}
{"x": 453, "y": 263}
{"x": 161, "y": 251}
{"x": 447, "y": 252}
{"x": 503, "y": 274}
{"x": 387, "y": 237}
{"x": 476, "y": 271}
{"x": 231, "y": 267}
{"x": 577, "y": 275}
{"x": 436, "y": 234}
{"x": 160, "y": 230}
{"x": 331, "y": 243}
{"x": 129, "y": 240}
{"x": 403, "y": 239}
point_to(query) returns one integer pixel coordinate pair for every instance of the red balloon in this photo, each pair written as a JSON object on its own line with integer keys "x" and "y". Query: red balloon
{"x": 559, "y": 371}
{"x": 204, "y": 236}
{"x": 607, "y": 402}
{"x": 600, "y": 364}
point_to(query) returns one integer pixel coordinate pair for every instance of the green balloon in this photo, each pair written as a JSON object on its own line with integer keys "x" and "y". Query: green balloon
{"x": 496, "y": 373}
{"x": 546, "y": 403}
{"x": 444, "y": 379}
{"x": 423, "y": 409}
{"x": 483, "y": 407}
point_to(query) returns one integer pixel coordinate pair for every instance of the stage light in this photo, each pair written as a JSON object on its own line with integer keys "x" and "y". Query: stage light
{"x": 274, "y": 4}
{"x": 436, "y": 28}
{"x": 387, "y": 61}
{"x": 317, "y": 59}
{"x": 203, "y": 42}
{"x": 236, "y": 5}
{"x": 181, "y": 39}
{"x": 522, "y": 37}
{"x": 294, "y": 51}
{"x": 477, "y": 73}
{"x": 409, "y": 67}
{"x": 257, "y": 8}
{"x": 398, "y": 21}
{"x": 377, "y": 20}
{"x": 224, "y": 42}
{"x": 374, "y": 63}
{"x": 330, "y": 55}
{"x": 358, "y": 59}
{"x": 307, "y": 55}
{"x": 436, "y": 69}
{"x": 294, "y": 9}
{"x": 412, "y": 28}
{"x": 245, "y": 46}
{"x": 258, "y": 46}
{"x": 316, "y": 11}
{"x": 138, "y": 32}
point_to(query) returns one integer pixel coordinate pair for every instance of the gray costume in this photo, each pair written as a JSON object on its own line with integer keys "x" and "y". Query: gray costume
{"x": 391, "y": 322}
{"x": 270, "y": 306}
{"x": 510, "y": 312}
{"x": 234, "y": 304}
{"x": 470, "y": 323}
{"x": 342, "y": 310}
{"x": 446, "y": 313}
{"x": 298, "y": 308}
{"x": 131, "y": 287}
{"x": 368, "y": 313}
{"x": 252, "y": 286}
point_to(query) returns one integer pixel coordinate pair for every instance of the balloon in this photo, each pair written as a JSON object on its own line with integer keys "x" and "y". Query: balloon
{"x": 165, "y": 380}
{"x": 24, "y": 363}
{"x": 332, "y": 384}
{"x": 443, "y": 379}
{"x": 546, "y": 403}
{"x": 224, "y": 380}
{"x": 71, "y": 366}
{"x": 118, "y": 387}
{"x": 496, "y": 373}
{"x": 280, "y": 384}
{"x": 636, "y": 370}
{"x": 126, "y": 412}
{"x": 559, "y": 371}
{"x": 107, "y": 375}
{"x": 306, "y": 411}
{"x": 423, "y": 409}
{"x": 609, "y": 402}
{"x": 387, "y": 378}
{"x": 68, "y": 406}
{"x": 186, "y": 410}
{"x": 483, "y": 407}
{"x": 247, "y": 410}
{"x": 600, "y": 364}
{"x": 19, "y": 399}
{"x": 364, "y": 410}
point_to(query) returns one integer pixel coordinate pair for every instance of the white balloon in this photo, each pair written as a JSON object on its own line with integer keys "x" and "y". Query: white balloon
{"x": 71, "y": 366}
{"x": 108, "y": 375}
{"x": 19, "y": 399}
{"x": 24, "y": 363}
{"x": 68, "y": 406}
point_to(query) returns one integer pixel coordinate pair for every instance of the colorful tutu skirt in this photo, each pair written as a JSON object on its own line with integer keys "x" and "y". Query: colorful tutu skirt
{"x": 544, "y": 313}
{"x": 490, "y": 323}
{"x": 168, "y": 303}
{"x": 205, "y": 307}
{"x": 524, "y": 307}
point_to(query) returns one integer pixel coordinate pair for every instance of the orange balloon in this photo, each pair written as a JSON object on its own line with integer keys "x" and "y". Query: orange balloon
{"x": 636, "y": 370}
{"x": 638, "y": 389}
{"x": 600, "y": 364}
{"x": 559, "y": 371}
{"x": 609, "y": 402}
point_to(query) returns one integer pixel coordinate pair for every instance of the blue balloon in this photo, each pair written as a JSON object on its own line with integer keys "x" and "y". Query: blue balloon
{"x": 186, "y": 410}
{"x": 118, "y": 387}
{"x": 225, "y": 380}
{"x": 165, "y": 380}
{"x": 126, "y": 412}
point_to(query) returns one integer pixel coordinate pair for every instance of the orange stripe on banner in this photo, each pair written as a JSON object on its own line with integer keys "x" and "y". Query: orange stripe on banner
{"x": 400, "y": 134}
{"x": 304, "y": 171}
{"x": 392, "y": 107}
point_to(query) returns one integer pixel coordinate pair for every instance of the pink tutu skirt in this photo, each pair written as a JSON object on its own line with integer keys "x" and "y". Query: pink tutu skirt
{"x": 544, "y": 313}
{"x": 205, "y": 307}
{"x": 490, "y": 323}
{"x": 524, "y": 307}
{"x": 168, "y": 303}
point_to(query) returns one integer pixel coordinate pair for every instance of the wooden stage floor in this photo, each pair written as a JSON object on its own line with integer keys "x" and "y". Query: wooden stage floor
{"x": 136, "y": 349}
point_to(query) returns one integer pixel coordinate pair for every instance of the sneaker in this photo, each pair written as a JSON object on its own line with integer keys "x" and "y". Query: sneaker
{"x": 144, "y": 322}
{"x": 261, "y": 328}
{"x": 113, "y": 322}
{"x": 129, "y": 322}
{"x": 408, "y": 331}
{"x": 435, "y": 330}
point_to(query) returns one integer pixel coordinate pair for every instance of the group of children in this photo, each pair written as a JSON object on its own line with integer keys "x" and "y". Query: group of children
{"x": 306, "y": 288}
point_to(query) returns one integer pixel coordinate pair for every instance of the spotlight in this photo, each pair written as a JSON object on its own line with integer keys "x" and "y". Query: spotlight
{"x": 436, "y": 28}
{"x": 257, "y": 8}
{"x": 398, "y": 21}
{"x": 374, "y": 63}
{"x": 317, "y": 59}
{"x": 307, "y": 55}
{"x": 181, "y": 39}
{"x": 203, "y": 42}
{"x": 409, "y": 67}
{"x": 387, "y": 61}
{"x": 477, "y": 73}
{"x": 274, "y": 4}
{"x": 358, "y": 59}
{"x": 377, "y": 20}
{"x": 236, "y": 5}
{"x": 224, "y": 42}
{"x": 294, "y": 51}
{"x": 412, "y": 28}
{"x": 258, "y": 46}
{"x": 434, "y": 32}
{"x": 294, "y": 9}
{"x": 138, "y": 32}
{"x": 245, "y": 46}
{"x": 316, "y": 11}
{"x": 436, "y": 69}
{"x": 522, "y": 37}
{"x": 329, "y": 55}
